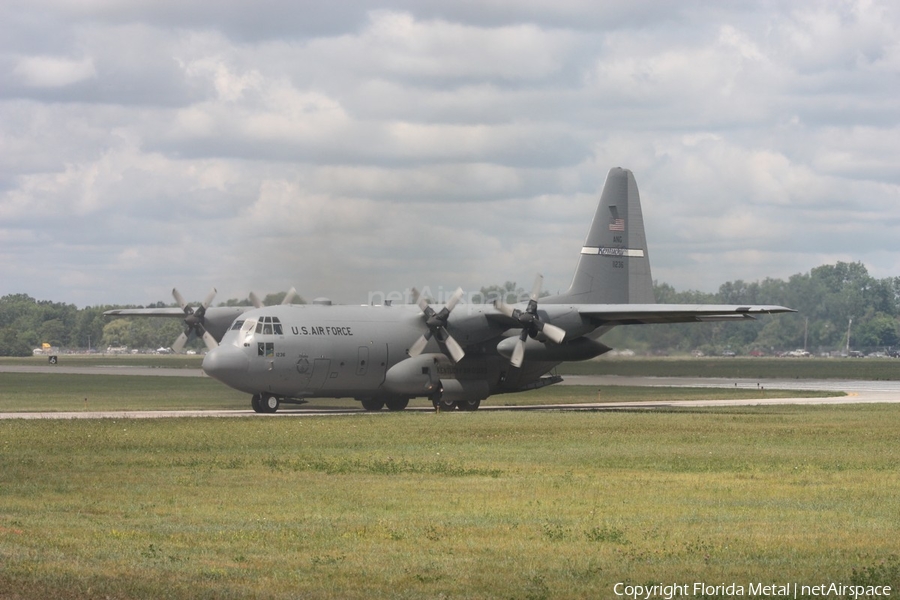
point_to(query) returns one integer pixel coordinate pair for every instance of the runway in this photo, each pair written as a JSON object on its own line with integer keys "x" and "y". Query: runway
{"x": 888, "y": 391}
{"x": 858, "y": 392}
{"x": 103, "y": 370}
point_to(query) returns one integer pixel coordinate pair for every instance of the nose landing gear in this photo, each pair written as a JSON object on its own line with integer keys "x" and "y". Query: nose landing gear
{"x": 265, "y": 403}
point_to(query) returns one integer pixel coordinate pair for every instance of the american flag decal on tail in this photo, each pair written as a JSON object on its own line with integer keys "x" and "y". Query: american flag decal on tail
{"x": 616, "y": 224}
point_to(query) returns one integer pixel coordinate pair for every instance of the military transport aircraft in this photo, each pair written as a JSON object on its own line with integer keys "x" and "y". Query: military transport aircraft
{"x": 456, "y": 354}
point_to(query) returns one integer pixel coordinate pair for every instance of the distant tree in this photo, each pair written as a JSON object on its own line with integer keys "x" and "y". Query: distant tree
{"x": 141, "y": 332}
{"x": 53, "y": 332}
{"x": 11, "y": 345}
{"x": 880, "y": 330}
{"x": 117, "y": 333}
{"x": 269, "y": 300}
{"x": 15, "y": 307}
{"x": 278, "y": 298}
{"x": 237, "y": 302}
{"x": 509, "y": 293}
{"x": 88, "y": 329}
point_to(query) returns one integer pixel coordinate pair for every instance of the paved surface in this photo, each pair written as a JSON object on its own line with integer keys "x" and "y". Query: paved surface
{"x": 858, "y": 392}
{"x": 300, "y": 412}
{"x": 109, "y": 370}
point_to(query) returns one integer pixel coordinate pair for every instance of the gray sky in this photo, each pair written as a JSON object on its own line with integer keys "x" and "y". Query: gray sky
{"x": 352, "y": 147}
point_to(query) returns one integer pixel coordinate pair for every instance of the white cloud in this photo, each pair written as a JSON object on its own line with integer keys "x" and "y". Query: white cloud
{"x": 53, "y": 71}
{"x": 388, "y": 144}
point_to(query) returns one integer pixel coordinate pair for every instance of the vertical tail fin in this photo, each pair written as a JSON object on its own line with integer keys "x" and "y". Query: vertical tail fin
{"x": 614, "y": 266}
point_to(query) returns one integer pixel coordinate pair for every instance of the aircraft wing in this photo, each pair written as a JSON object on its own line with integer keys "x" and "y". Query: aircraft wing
{"x": 636, "y": 314}
{"x": 145, "y": 312}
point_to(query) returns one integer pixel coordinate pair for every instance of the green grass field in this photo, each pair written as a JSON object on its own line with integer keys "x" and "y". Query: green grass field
{"x": 465, "y": 505}
{"x": 424, "y": 505}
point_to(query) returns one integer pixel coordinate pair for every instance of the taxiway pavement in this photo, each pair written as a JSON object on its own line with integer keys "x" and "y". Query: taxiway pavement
{"x": 858, "y": 392}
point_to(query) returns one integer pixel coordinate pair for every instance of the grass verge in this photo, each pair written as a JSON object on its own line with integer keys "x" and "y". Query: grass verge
{"x": 466, "y": 505}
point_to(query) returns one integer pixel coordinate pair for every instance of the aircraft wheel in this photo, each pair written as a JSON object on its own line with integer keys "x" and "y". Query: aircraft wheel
{"x": 397, "y": 403}
{"x": 443, "y": 405}
{"x": 468, "y": 404}
{"x": 268, "y": 404}
{"x": 254, "y": 402}
{"x": 372, "y": 404}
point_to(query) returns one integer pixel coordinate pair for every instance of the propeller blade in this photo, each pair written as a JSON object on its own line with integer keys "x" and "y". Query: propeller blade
{"x": 178, "y": 346}
{"x": 193, "y": 320}
{"x": 536, "y": 290}
{"x": 456, "y": 351}
{"x": 530, "y": 322}
{"x": 290, "y": 296}
{"x": 416, "y": 349}
{"x": 209, "y": 340}
{"x": 255, "y": 301}
{"x": 180, "y": 300}
{"x": 554, "y": 334}
{"x": 518, "y": 354}
{"x": 454, "y": 299}
{"x": 209, "y": 298}
{"x": 505, "y": 308}
{"x": 436, "y": 323}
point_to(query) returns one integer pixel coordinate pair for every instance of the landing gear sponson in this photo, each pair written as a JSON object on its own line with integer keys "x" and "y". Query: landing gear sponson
{"x": 376, "y": 404}
{"x": 269, "y": 404}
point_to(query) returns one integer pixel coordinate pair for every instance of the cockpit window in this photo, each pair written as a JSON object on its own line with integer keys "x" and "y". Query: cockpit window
{"x": 237, "y": 325}
{"x": 269, "y": 326}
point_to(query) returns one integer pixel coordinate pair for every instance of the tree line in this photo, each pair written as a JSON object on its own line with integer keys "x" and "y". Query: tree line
{"x": 839, "y": 307}
{"x": 827, "y": 299}
{"x": 26, "y": 324}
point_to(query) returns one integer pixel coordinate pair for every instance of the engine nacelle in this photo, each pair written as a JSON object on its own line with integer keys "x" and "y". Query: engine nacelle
{"x": 578, "y": 349}
{"x": 463, "y": 390}
{"x": 417, "y": 375}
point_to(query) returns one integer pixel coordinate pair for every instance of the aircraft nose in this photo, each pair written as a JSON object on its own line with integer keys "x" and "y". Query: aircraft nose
{"x": 225, "y": 362}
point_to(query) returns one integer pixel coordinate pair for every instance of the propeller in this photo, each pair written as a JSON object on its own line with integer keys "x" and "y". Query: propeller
{"x": 532, "y": 324}
{"x": 437, "y": 324}
{"x": 193, "y": 321}
{"x": 257, "y": 303}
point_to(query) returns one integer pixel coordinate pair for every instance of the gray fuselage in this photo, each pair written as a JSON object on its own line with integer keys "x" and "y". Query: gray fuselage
{"x": 303, "y": 351}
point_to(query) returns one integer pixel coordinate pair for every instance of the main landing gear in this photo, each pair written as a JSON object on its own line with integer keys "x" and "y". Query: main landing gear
{"x": 444, "y": 405}
{"x": 376, "y": 404}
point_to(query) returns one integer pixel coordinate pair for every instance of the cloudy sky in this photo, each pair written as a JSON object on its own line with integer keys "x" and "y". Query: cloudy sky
{"x": 361, "y": 146}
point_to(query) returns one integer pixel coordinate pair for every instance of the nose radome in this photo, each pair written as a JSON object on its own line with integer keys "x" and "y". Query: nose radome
{"x": 225, "y": 362}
